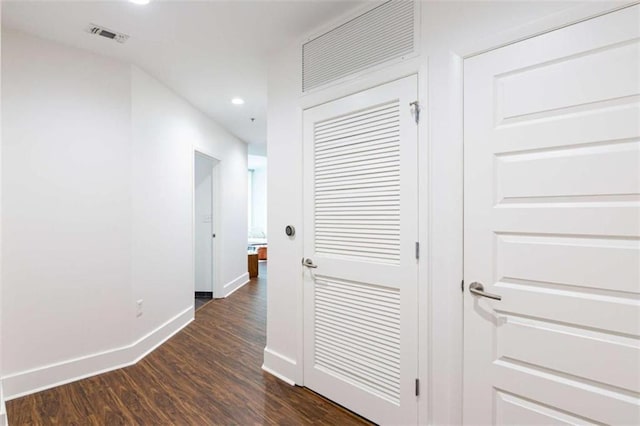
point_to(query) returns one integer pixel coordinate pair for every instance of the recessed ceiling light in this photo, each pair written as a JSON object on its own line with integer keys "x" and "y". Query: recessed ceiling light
{"x": 140, "y": 1}
{"x": 237, "y": 101}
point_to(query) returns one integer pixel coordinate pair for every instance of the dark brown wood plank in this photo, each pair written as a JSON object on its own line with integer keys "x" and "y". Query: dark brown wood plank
{"x": 207, "y": 374}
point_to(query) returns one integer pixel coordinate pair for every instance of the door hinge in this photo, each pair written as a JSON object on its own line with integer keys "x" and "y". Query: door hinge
{"x": 417, "y": 250}
{"x": 417, "y": 387}
{"x": 462, "y": 285}
{"x": 415, "y": 110}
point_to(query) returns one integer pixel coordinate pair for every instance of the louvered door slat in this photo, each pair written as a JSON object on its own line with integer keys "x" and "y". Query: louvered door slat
{"x": 354, "y": 132}
{"x": 356, "y": 327}
{"x": 329, "y": 203}
{"x": 361, "y": 126}
{"x": 389, "y": 115}
{"x": 345, "y": 147}
{"x": 325, "y": 311}
{"x": 365, "y": 337}
{"x": 389, "y": 164}
{"x": 366, "y": 307}
{"x": 354, "y": 167}
{"x": 373, "y": 134}
{"x": 382, "y": 345}
{"x": 364, "y": 362}
{"x": 346, "y": 225}
{"x": 369, "y": 365}
{"x": 370, "y": 195}
{"x": 380, "y": 111}
{"x": 377, "y": 362}
{"x": 376, "y": 236}
{"x": 371, "y": 175}
{"x": 363, "y": 157}
{"x": 350, "y": 369}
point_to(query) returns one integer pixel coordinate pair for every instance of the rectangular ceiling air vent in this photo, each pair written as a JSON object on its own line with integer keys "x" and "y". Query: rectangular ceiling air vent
{"x": 382, "y": 34}
{"x": 104, "y": 32}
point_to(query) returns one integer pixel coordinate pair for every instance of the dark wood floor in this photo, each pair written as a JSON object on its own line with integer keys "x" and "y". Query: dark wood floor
{"x": 209, "y": 373}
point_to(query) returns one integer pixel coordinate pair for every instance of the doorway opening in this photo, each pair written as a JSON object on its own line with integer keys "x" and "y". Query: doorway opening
{"x": 206, "y": 219}
{"x": 257, "y": 245}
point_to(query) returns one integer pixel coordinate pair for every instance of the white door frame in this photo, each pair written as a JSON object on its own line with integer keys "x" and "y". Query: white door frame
{"x": 218, "y": 292}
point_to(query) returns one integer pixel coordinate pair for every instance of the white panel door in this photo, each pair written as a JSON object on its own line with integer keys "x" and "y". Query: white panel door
{"x": 552, "y": 225}
{"x": 360, "y": 231}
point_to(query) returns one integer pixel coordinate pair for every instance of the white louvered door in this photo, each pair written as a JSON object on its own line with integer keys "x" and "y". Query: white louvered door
{"x": 360, "y": 230}
{"x": 552, "y": 225}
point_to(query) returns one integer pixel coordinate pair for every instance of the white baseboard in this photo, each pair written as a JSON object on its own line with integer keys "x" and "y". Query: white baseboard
{"x": 149, "y": 342}
{"x": 234, "y": 285}
{"x": 278, "y": 365}
{"x": 49, "y": 376}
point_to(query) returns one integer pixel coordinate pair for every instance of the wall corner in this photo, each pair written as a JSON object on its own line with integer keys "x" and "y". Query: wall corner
{"x": 280, "y": 366}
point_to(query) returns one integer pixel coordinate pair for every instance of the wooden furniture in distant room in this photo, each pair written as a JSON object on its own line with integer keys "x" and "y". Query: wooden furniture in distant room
{"x": 262, "y": 253}
{"x": 252, "y": 259}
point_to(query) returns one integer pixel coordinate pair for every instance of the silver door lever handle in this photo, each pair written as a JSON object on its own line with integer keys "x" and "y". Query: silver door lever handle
{"x": 478, "y": 289}
{"x": 308, "y": 263}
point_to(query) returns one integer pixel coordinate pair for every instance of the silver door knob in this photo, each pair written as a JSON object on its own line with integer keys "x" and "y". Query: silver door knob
{"x": 308, "y": 263}
{"x": 478, "y": 289}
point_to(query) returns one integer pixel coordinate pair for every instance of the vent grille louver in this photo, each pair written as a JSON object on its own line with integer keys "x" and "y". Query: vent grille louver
{"x": 382, "y": 34}
{"x": 107, "y": 33}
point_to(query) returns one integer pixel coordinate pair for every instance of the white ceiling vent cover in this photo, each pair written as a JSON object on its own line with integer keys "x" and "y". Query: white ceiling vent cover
{"x": 104, "y": 32}
{"x": 377, "y": 36}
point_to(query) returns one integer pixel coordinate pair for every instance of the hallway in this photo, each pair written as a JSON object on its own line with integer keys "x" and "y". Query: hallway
{"x": 209, "y": 373}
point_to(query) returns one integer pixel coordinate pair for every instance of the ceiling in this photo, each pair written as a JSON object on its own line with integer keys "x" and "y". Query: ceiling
{"x": 207, "y": 51}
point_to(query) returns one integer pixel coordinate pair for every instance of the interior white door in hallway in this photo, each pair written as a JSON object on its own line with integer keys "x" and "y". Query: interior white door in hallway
{"x": 552, "y": 226}
{"x": 360, "y": 230}
{"x": 204, "y": 222}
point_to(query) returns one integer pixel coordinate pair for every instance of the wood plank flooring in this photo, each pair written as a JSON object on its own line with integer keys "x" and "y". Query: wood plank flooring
{"x": 208, "y": 374}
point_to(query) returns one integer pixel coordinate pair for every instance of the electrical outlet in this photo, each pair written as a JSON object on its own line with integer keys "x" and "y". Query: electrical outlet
{"x": 139, "y": 308}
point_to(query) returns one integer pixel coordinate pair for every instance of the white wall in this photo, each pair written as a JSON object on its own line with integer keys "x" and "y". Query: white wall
{"x": 66, "y": 198}
{"x": 449, "y": 30}
{"x": 284, "y": 184}
{"x": 166, "y": 131}
{"x": 203, "y": 216}
{"x": 97, "y": 175}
